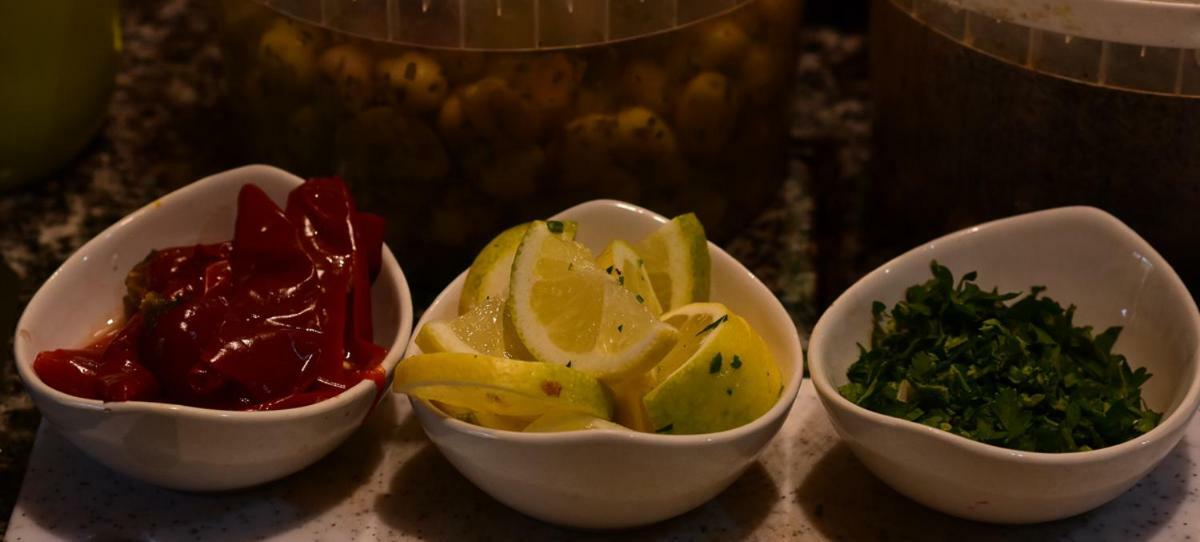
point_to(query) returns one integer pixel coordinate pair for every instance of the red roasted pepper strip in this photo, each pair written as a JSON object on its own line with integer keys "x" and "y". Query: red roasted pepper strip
{"x": 279, "y": 317}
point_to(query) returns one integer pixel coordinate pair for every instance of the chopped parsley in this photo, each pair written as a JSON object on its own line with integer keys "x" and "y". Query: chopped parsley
{"x": 640, "y": 299}
{"x": 736, "y": 363}
{"x": 714, "y": 366}
{"x": 554, "y": 226}
{"x": 620, "y": 328}
{"x": 1006, "y": 369}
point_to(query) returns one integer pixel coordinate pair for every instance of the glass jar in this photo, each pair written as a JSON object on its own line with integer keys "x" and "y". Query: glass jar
{"x": 456, "y": 119}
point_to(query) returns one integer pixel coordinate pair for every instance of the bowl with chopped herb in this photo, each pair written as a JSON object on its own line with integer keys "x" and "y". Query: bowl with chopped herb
{"x": 1023, "y": 370}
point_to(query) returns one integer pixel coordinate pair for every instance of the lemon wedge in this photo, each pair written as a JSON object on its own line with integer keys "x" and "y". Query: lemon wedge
{"x": 555, "y": 422}
{"x": 486, "y": 419}
{"x": 719, "y": 376}
{"x": 623, "y": 264}
{"x": 677, "y": 262}
{"x": 484, "y": 329}
{"x": 500, "y": 386}
{"x": 488, "y": 276}
{"x": 567, "y": 311}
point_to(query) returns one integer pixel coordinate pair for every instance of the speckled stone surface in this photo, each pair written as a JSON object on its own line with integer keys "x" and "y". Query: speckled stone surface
{"x": 388, "y": 482}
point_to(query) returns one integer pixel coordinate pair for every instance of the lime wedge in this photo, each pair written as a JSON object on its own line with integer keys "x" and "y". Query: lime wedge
{"x": 677, "y": 262}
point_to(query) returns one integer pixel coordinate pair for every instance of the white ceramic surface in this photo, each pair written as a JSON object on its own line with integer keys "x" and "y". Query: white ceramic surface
{"x": 177, "y": 446}
{"x": 611, "y": 478}
{"x": 1085, "y": 257}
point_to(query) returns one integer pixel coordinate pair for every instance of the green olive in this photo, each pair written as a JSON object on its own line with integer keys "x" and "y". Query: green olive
{"x": 513, "y": 175}
{"x": 553, "y": 80}
{"x": 514, "y": 69}
{"x": 462, "y": 66}
{"x": 413, "y": 81}
{"x": 761, "y": 74}
{"x": 706, "y": 111}
{"x": 593, "y": 100}
{"x": 719, "y": 43}
{"x": 644, "y": 83}
{"x": 449, "y": 225}
{"x": 642, "y": 135}
{"x": 781, "y": 18}
{"x": 500, "y": 114}
{"x": 749, "y": 19}
{"x": 286, "y": 57}
{"x": 387, "y": 140}
{"x": 452, "y": 120}
{"x": 587, "y": 144}
{"x": 346, "y": 72}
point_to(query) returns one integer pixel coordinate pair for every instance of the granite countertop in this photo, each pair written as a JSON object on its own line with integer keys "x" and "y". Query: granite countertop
{"x": 164, "y": 130}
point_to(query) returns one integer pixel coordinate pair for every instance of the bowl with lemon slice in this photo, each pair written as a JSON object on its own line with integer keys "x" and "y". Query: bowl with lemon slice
{"x": 605, "y": 368}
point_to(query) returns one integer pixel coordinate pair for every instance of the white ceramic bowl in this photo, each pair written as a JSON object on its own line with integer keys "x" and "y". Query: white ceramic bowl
{"x": 175, "y": 446}
{"x": 608, "y": 479}
{"x": 1085, "y": 257}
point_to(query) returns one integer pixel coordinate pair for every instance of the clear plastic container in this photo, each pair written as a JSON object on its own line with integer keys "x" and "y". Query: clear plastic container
{"x": 457, "y": 118}
{"x": 986, "y": 108}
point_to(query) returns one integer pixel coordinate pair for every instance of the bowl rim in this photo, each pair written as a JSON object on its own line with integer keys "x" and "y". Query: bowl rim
{"x": 778, "y": 411}
{"x": 23, "y": 358}
{"x": 1173, "y": 423}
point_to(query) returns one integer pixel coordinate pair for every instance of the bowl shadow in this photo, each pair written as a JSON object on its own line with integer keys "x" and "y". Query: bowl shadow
{"x": 429, "y": 499}
{"x": 106, "y": 505}
{"x": 843, "y": 500}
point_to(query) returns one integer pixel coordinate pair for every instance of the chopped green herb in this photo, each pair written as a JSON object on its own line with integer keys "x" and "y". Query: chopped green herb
{"x": 736, "y": 363}
{"x": 640, "y": 299}
{"x": 621, "y": 280}
{"x": 714, "y": 366}
{"x": 1006, "y": 369}
{"x": 728, "y": 391}
{"x": 609, "y": 270}
{"x": 713, "y": 325}
{"x": 554, "y": 226}
{"x": 569, "y": 362}
{"x": 665, "y": 429}
{"x": 620, "y": 328}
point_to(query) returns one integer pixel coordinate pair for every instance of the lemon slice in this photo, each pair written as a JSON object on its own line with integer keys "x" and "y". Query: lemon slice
{"x": 567, "y": 311}
{"x": 500, "y": 386}
{"x": 721, "y": 374}
{"x": 623, "y": 264}
{"x": 677, "y": 262}
{"x": 487, "y": 419}
{"x": 485, "y": 329}
{"x": 627, "y": 395}
{"x": 569, "y": 421}
{"x": 488, "y": 275}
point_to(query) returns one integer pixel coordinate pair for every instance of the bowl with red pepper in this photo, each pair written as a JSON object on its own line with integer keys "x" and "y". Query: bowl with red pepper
{"x": 228, "y": 334}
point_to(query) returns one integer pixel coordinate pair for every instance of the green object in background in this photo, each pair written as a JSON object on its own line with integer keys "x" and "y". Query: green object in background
{"x": 57, "y": 61}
